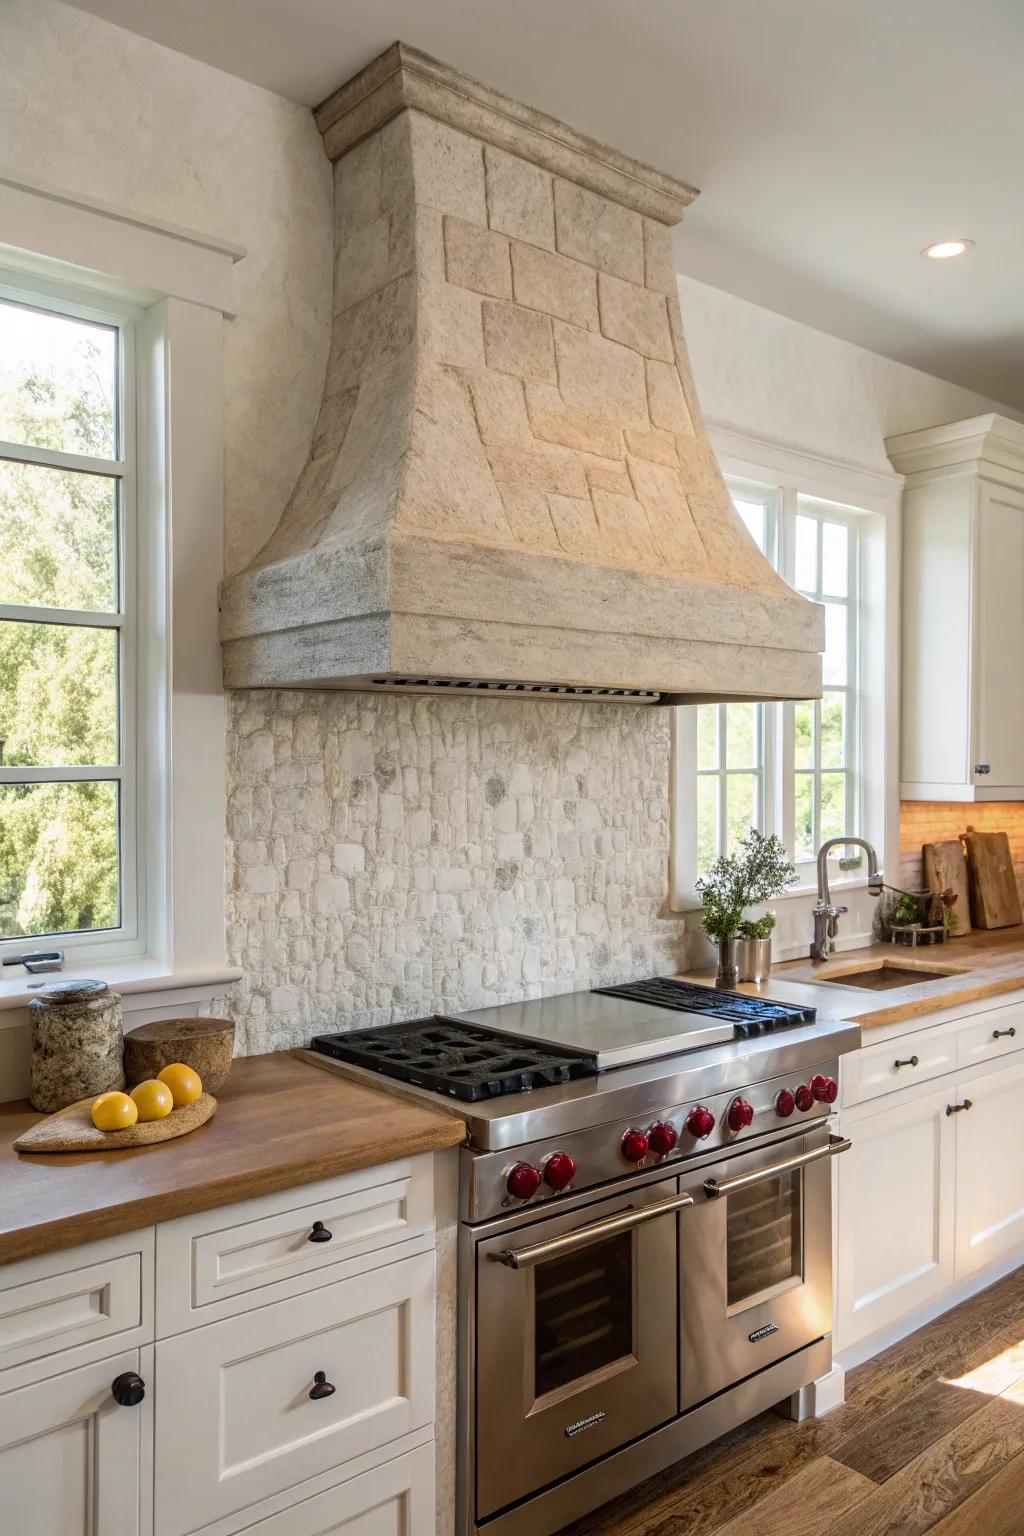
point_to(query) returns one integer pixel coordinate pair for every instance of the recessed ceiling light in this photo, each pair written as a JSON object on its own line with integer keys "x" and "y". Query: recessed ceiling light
{"x": 942, "y": 250}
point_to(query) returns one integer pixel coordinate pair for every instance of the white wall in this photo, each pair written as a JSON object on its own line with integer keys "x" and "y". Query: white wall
{"x": 86, "y": 105}
{"x": 768, "y": 375}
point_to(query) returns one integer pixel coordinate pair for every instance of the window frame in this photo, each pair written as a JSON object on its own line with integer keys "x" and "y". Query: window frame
{"x": 788, "y": 499}
{"x": 128, "y": 937}
{"x": 823, "y": 511}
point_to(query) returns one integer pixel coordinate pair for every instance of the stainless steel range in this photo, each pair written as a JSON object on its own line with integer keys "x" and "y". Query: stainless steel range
{"x": 645, "y": 1228}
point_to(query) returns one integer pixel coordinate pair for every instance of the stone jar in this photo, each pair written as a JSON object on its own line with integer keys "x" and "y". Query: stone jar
{"x": 77, "y": 1043}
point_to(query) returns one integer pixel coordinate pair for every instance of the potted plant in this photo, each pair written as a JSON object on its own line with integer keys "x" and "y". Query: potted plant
{"x": 756, "y": 947}
{"x": 757, "y": 871}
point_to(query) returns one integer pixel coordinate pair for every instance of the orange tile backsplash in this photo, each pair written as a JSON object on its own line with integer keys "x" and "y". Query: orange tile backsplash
{"x": 932, "y": 821}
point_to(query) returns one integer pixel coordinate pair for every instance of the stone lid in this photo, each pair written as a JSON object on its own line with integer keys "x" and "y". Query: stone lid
{"x": 70, "y": 991}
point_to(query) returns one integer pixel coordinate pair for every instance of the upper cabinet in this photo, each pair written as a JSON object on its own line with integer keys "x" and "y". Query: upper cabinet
{"x": 963, "y": 610}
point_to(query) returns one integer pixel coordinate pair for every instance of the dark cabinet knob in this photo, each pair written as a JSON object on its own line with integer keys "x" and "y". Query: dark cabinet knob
{"x": 321, "y": 1387}
{"x": 319, "y": 1233}
{"x": 956, "y": 1109}
{"x": 906, "y": 1061}
{"x": 128, "y": 1389}
{"x": 997, "y": 1034}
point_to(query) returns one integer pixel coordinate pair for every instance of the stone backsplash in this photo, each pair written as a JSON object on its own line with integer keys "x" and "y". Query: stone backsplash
{"x": 392, "y": 856}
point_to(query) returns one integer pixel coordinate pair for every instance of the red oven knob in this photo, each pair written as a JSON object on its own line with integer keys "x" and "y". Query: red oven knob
{"x": 700, "y": 1122}
{"x": 824, "y": 1089}
{"x": 523, "y": 1181}
{"x": 804, "y": 1098}
{"x": 662, "y": 1137}
{"x": 559, "y": 1171}
{"x": 635, "y": 1146}
{"x": 740, "y": 1115}
{"x": 784, "y": 1104}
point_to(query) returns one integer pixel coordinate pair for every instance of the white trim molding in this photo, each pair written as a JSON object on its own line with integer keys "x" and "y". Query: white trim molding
{"x": 98, "y": 245}
{"x": 179, "y": 284}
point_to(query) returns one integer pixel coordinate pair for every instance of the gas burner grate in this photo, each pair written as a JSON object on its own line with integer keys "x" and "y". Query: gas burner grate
{"x": 456, "y": 1059}
{"x": 750, "y": 1015}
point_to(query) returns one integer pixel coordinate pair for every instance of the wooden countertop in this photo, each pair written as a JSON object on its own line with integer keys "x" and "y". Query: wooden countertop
{"x": 985, "y": 965}
{"x": 279, "y": 1122}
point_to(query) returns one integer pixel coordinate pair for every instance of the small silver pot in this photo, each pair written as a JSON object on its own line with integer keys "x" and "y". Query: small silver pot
{"x": 728, "y": 963}
{"x": 755, "y": 959}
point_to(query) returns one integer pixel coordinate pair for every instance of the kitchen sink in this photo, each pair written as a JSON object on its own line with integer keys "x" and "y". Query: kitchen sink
{"x": 886, "y": 977}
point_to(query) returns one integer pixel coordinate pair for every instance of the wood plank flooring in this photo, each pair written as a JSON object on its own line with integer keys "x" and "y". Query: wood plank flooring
{"x": 931, "y": 1438}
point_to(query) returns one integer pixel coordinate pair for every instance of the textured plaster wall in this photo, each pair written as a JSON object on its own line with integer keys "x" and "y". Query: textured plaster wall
{"x": 765, "y": 374}
{"x": 89, "y": 106}
{"x": 392, "y": 856}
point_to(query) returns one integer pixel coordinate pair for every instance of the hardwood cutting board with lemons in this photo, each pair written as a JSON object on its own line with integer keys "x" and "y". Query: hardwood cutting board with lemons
{"x": 158, "y": 1109}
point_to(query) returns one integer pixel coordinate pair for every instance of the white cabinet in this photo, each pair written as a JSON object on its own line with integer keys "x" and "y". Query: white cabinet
{"x": 963, "y": 610}
{"x": 70, "y": 1457}
{"x": 286, "y": 1346}
{"x": 265, "y": 1400}
{"x": 932, "y": 1191}
{"x": 895, "y": 1211}
{"x": 990, "y": 1168}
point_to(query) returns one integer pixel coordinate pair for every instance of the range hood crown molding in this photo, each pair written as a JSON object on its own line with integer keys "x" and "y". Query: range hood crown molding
{"x": 510, "y": 487}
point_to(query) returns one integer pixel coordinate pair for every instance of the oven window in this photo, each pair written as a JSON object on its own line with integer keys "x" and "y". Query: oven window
{"x": 763, "y": 1237}
{"x": 583, "y": 1318}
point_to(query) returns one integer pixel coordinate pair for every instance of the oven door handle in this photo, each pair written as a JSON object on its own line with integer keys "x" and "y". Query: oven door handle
{"x": 557, "y": 1247}
{"x": 714, "y": 1188}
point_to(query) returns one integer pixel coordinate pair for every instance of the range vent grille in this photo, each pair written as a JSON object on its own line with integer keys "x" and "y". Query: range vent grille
{"x": 528, "y": 690}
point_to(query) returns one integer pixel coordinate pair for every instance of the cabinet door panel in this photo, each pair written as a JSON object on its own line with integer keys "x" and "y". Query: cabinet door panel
{"x": 989, "y": 1169}
{"x": 895, "y": 1213}
{"x": 394, "y": 1500}
{"x": 69, "y": 1456}
{"x": 241, "y": 1408}
{"x": 999, "y": 663}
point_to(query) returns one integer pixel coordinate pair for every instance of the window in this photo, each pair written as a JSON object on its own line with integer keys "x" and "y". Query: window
{"x": 734, "y": 740}
{"x": 792, "y": 768}
{"x": 67, "y": 594}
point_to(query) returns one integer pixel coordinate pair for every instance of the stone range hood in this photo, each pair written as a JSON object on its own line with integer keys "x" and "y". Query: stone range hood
{"x": 510, "y": 486}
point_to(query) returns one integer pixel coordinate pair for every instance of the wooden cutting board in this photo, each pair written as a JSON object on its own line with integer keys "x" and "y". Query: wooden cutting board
{"x": 995, "y": 902}
{"x": 945, "y": 868}
{"x": 72, "y": 1130}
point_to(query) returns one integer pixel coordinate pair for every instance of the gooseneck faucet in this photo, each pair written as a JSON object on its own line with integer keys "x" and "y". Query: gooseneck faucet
{"x": 826, "y": 916}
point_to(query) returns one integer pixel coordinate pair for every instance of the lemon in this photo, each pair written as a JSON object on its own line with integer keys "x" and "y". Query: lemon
{"x": 114, "y": 1112}
{"x": 185, "y": 1084}
{"x": 152, "y": 1099}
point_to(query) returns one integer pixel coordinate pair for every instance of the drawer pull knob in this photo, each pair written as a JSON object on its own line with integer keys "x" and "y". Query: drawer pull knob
{"x": 954, "y": 1109}
{"x": 997, "y": 1034}
{"x": 321, "y": 1387}
{"x": 128, "y": 1389}
{"x": 908, "y": 1061}
{"x": 319, "y": 1233}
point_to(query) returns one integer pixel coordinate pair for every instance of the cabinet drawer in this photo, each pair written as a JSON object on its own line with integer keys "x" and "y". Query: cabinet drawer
{"x": 235, "y": 1400}
{"x": 990, "y": 1036}
{"x": 67, "y": 1307}
{"x": 396, "y": 1499}
{"x": 222, "y": 1262}
{"x": 893, "y": 1064}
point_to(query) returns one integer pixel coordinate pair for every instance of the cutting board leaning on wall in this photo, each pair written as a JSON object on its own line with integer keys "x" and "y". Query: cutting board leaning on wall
{"x": 945, "y": 869}
{"x": 995, "y": 902}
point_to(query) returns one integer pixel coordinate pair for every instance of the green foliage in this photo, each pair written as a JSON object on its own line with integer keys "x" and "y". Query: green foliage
{"x": 758, "y": 927}
{"x": 58, "y": 683}
{"x": 758, "y": 871}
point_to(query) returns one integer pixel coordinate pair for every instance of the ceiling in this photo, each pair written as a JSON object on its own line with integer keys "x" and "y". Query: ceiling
{"x": 832, "y": 139}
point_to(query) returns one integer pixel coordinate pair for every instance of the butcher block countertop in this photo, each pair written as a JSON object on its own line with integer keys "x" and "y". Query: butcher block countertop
{"x": 279, "y": 1122}
{"x": 987, "y": 965}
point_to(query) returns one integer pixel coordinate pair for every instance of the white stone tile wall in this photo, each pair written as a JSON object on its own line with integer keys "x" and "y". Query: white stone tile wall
{"x": 392, "y": 856}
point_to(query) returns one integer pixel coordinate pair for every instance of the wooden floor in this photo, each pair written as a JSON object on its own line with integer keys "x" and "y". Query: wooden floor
{"x": 931, "y": 1438}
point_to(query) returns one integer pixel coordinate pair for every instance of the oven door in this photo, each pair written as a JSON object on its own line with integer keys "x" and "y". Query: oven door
{"x": 755, "y": 1257}
{"x": 576, "y": 1339}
